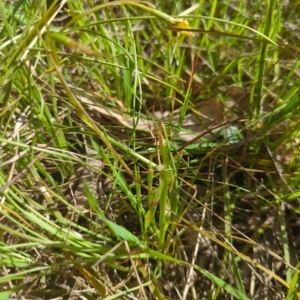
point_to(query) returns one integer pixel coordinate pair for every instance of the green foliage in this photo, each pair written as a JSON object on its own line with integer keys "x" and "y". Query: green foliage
{"x": 127, "y": 163}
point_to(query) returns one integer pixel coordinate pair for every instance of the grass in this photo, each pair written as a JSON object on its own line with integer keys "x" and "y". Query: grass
{"x": 149, "y": 151}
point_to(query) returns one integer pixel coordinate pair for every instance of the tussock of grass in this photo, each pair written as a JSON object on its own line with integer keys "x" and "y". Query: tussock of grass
{"x": 130, "y": 168}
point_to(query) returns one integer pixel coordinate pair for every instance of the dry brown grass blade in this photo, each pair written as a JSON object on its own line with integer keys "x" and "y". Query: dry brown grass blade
{"x": 116, "y": 117}
{"x": 94, "y": 282}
